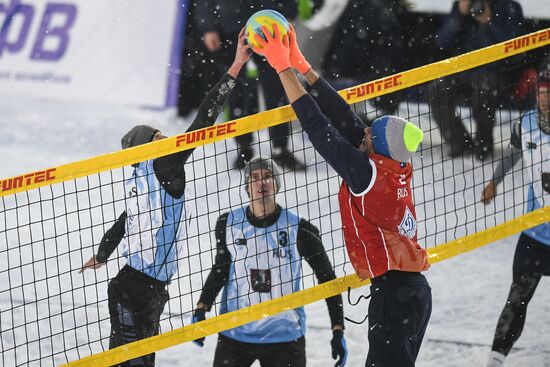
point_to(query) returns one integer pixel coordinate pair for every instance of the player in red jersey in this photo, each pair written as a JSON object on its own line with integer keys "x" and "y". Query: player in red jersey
{"x": 378, "y": 216}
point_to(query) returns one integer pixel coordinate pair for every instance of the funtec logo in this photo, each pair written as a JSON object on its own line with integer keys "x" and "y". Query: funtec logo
{"x": 525, "y": 41}
{"x": 27, "y": 180}
{"x": 211, "y": 132}
{"x": 372, "y": 87}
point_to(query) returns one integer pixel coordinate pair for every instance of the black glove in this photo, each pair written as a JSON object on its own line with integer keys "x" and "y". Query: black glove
{"x": 199, "y": 315}
{"x": 339, "y": 349}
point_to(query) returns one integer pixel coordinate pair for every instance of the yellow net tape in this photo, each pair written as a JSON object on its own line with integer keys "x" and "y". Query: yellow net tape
{"x": 306, "y": 296}
{"x": 272, "y": 117}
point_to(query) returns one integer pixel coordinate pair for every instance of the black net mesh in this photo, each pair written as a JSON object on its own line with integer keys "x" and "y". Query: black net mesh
{"x": 51, "y": 313}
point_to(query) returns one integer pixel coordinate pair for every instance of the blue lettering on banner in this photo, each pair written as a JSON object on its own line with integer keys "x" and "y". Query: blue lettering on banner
{"x": 52, "y": 38}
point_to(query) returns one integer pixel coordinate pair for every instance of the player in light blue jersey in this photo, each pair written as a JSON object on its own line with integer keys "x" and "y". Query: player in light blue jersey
{"x": 530, "y": 141}
{"x": 154, "y": 226}
{"x": 259, "y": 252}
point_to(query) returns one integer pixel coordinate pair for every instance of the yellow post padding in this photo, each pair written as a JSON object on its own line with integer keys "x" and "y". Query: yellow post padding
{"x": 256, "y": 312}
{"x": 272, "y": 117}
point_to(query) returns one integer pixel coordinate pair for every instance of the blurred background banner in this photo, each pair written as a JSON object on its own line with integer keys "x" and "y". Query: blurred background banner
{"x": 100, "y": 51}
{"x": 531, "y": 8}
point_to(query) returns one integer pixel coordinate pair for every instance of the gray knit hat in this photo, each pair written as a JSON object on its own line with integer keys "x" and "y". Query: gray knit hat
{"x": 140, "y": 134}
{"x": 395, "y": 137}
{"x": 262, "y": 163}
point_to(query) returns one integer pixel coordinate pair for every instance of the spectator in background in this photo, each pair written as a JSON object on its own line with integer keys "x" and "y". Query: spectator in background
{"x": 219, "y": 22}
{"x": 474, "y": 24}
{"x": 259, "y": 250}
{"x": 197, "y": 78}
{"x": 530, "y": 141}
{"x": 368, "y": 44}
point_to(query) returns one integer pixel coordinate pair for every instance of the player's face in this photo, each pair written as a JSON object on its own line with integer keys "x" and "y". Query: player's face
{"x": 543, "y": 98}
{"x": 261, "y": 184}
{"x": 366, "y": 143}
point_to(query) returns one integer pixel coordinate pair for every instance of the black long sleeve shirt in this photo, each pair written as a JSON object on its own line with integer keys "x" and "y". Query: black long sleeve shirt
{"x": 335, "y": 131}
{"x": 170, "y": 170}
{"x": 309, "y": 247}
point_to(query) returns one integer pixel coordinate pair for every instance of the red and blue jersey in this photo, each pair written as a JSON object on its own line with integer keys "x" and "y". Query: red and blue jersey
{"x": 379, "y": 224}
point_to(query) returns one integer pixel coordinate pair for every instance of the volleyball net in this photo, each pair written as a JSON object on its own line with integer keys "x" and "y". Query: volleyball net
{"x": 52, "y": 220}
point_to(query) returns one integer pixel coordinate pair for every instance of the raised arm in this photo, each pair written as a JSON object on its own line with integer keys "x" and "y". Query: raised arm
{"x": 213, "y": 103}
{"x": 337, "y": 110}
{"x": 170, "y": 169}
{"x": 331, "y": 145}
{"x": 333, "y": 106}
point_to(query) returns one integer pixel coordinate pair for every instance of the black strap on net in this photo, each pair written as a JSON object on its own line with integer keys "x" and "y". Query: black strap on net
{"x": 361, "y": 297}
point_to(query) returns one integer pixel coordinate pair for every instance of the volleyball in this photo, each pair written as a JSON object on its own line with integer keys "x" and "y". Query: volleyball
{"x": 265, "y": 18}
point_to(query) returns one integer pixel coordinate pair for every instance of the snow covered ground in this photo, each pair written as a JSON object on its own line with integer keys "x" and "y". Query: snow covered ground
{"x": 468, "y": 291}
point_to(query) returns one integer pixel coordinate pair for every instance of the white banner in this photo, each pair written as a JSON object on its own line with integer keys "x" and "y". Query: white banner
{"x": 115, "y": 51}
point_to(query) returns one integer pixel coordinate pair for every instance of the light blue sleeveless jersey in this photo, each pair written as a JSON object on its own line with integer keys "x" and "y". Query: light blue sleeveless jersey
{"x": 535, "y": 147}
{"x": 265, "y": 264}
{"x": 156, "y": 226}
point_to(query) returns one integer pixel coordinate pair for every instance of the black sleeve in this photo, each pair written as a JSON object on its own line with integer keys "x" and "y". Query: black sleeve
{"x": 111, "y": 239}
{"x": 510, "y": 156}
{"x": 351, "y": 164}
{"x": 220, "y": 270}
{"x": 311, "y": 249}
{"x": 338, "y": 111}
{"x": 170, "y": 169}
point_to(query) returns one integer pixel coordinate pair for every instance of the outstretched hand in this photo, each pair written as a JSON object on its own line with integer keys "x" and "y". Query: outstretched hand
{"x": 92, "y": 263}
{"x": 296, "y": 58}
{"x": 275, "y": 49}
{"x": 243, "y": 49}
{"x": 242, "y": 55}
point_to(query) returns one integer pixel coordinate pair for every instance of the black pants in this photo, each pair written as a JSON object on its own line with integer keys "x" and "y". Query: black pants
{"x": 399, "y": 311}
{"x": 233, "y": 353}
{"x": 531, "y": 262}
{"x": 480, "y": 89}
{"x": 136, "y": 302}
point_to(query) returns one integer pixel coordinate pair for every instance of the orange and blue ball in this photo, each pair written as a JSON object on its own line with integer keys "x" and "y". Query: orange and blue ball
{"x": 265, "y": 18}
